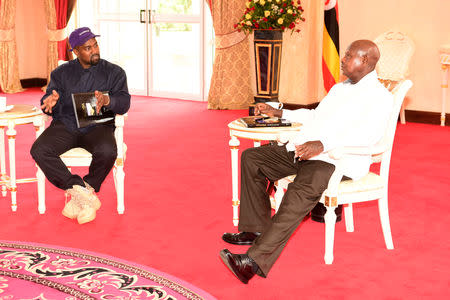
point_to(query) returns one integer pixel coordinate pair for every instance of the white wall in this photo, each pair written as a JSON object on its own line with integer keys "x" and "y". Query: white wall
{"x": 427, "y": 23}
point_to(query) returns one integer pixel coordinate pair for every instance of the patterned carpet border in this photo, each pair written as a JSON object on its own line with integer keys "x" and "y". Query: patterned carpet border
{"x": 26, "y": 268}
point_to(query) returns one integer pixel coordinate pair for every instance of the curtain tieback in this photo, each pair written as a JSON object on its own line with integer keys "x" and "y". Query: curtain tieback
{"x": 57, "y": 34}
{"x": 6, "y": 35}
{"x": 228, "y": 40}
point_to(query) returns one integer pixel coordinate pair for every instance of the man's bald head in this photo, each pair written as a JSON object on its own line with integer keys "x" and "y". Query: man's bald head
{"x": 360, "y": 59}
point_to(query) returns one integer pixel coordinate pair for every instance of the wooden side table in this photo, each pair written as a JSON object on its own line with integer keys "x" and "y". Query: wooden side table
{"x": 445, "y": 65}
{"x": 20, "y": 114}
{"x": 239, "y": 130}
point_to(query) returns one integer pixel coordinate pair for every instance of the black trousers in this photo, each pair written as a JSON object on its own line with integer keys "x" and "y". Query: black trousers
{"x": 272, "y": 162}
{"x": 56, "y": 139}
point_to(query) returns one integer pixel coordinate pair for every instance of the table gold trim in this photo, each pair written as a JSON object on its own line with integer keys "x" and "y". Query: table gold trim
{"x": 294, "y": 127}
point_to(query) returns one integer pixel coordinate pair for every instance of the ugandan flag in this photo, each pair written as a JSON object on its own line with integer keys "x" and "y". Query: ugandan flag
{"x": 330, "y": 50}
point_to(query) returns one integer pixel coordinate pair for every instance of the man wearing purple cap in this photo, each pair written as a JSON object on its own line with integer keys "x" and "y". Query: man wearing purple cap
{"x": 87, "y": 73}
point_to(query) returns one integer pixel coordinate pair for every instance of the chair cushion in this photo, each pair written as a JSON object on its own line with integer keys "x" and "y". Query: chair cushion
{"x": 83, "y": 153}
{"x": 77, "y": 152}
{"x": 369, "y": 182}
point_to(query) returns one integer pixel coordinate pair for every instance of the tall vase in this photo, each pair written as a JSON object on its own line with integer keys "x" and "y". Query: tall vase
{"x": 268, "y": 46}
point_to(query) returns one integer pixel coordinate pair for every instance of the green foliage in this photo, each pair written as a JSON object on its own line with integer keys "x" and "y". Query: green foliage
{"x": 174, "y": 7}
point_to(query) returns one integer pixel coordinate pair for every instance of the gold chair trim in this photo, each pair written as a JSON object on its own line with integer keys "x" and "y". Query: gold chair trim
{"x": 330, "y": 201}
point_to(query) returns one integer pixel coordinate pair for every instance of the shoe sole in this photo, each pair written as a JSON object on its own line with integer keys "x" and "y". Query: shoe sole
{"x": 225, "y": 256}
{"x": 248, "y": 243}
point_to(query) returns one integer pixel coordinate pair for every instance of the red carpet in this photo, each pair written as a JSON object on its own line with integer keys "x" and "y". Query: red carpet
{"x": 178, "y": 203}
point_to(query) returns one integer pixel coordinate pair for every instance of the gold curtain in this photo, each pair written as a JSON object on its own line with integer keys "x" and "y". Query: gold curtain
{"x": 301, "y": 79}
{"x": 231, "y": 80}
{"x": 9, "y": 66}
{"x": 52, "y": 43}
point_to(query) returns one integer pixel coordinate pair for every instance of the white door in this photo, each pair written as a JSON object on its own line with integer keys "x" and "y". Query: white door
{"x": 160, "y": 43}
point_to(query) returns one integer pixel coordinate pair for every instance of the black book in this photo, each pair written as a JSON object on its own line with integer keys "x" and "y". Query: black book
{"x": 85, "y": 106}
{"x": 259, "y": 121}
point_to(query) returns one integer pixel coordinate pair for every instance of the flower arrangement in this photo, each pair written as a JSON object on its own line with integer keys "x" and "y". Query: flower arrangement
{"x": 271, "y": 14}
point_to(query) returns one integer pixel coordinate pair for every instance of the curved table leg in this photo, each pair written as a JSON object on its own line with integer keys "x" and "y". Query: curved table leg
{"x": 234, "y": 147}
{"x": 3, "y": 159}
{"x": 11, "y": 133}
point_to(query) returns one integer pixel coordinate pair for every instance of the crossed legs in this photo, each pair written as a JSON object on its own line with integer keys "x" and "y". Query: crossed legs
{"x": 258, "y": 165}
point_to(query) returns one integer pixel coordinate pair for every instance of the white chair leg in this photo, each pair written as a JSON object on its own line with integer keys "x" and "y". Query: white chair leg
{"x": 119, "y": 180}
{"x": 330, "y": 222}
{"x": 41, "y": 190}
{"x": 402, "y": 115}
{"x": 348, "y": 215}
{"x": 385, "y": 224}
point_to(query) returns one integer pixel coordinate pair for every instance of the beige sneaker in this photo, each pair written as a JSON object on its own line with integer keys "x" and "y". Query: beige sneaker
{"x": 87, "y": 214}
{"x": 72, "y": 208}
{"x": 82, "y": 205}
{"x": 95, "y": 200}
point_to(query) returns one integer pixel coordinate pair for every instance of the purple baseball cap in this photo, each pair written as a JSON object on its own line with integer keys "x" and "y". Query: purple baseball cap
{"x": 80, "y": 36}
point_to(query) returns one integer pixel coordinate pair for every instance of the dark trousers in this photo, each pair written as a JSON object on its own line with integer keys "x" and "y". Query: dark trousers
{"x": 56, "y": 139}
{"x": 272, "y": 162}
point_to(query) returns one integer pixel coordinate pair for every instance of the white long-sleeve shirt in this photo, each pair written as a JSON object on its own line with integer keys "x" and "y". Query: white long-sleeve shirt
{"x": 350, "y": 115}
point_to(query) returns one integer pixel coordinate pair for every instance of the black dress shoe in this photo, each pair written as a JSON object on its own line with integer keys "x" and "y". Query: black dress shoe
{"x": 241, "y": 238}
{"x": 242, "y": 266}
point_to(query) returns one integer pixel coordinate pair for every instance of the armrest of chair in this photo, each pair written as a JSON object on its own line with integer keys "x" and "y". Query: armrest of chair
{"x": 338, "y": 153}
{"x": 39, "y": 123}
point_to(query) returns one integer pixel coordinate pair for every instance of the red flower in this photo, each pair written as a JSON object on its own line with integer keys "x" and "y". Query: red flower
{"x": 281, "y": 10}
{"x": 282, "y": 27}
{"x": 284, "y": 4}
{"x": 253, "y": 8}
{"x": 292, "y": 25}
{"x": 256, "y": 25}
{"x": 265, "y": 19}
{"x": 298, "y": 30}
{"x": 294, "y": 15}
{"x": 235, "y": 25}
{"x": 270, "y": 27}
{"x": 239, "y": 30}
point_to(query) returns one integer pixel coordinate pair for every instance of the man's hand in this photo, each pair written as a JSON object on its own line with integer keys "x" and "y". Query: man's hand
{"x": 308, "y": 150}
{"x": 49, "y": 102}
{"x": 102, "y": 100}
{"x": 263, "y": 108}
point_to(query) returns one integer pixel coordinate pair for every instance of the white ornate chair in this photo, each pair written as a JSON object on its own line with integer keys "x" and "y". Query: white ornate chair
{"x": 371, "y": 187}
{"x": 79, "y": 157}
{"x": 396, "y": 50}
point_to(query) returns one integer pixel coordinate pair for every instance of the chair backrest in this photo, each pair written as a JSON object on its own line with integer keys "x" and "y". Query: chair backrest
{"x": 388, "y": 139}
{"x": 396, "y": 50}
